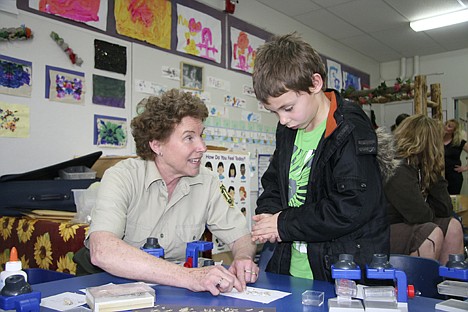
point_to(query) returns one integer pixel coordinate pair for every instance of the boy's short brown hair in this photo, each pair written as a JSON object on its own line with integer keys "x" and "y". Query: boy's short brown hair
{"x": 285, "y": 63}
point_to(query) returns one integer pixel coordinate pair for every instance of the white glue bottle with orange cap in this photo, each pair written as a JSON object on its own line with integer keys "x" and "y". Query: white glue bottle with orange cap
{"x": 12, "y": 267}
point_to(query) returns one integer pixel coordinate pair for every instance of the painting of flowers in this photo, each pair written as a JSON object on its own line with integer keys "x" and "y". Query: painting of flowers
{"x": 110, "y": 131}
{"x": 15, "y": 76}
{"x": 64, "y": 85}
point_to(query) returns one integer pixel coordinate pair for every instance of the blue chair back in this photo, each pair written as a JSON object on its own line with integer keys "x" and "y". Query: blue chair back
{"x": 265, "y": 255}
{"x": 423, "y": 273}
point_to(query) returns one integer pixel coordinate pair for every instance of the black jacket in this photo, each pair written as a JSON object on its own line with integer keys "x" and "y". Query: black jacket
{"x": 344, "y": 211}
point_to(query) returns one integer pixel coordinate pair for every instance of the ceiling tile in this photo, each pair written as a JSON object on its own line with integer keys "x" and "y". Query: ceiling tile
{"x": 329, "y": 24}
{"x": 369, "y": 15}
{"x": 367, "y": 45}
{"x": 291, "y": 8}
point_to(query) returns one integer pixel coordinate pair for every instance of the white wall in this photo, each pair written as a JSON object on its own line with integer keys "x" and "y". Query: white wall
{"x": 60, "y": 131}
{"x": 449, "y": 69}
{"x": 256, "y": 13}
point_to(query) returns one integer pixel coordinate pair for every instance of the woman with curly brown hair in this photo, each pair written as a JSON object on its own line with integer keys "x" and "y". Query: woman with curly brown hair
{"x": 167, "y": 194}
{"x": 420, "y": 208}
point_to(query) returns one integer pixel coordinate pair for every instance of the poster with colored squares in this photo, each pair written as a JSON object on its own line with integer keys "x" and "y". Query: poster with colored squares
{"x": 148, "y": 21}
{"x": 90, "y": 12}
{"x": 198, "y": 34}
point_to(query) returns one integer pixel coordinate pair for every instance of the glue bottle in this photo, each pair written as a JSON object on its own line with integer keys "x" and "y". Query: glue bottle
{"x": 12, "y": 267}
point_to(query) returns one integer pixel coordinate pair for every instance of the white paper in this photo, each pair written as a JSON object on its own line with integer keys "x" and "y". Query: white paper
{"x": 257, "y": 294}
{"x": 63, "y": 301}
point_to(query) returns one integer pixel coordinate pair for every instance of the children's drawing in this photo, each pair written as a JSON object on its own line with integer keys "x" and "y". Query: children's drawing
{"x": 149, "y": 87}
{"x": 64, "y": 85}
{"x": 218, "y": 111}
{"x": 108, "y": 91}
{"x": 335, "y": 80}
{"x": 351, "y": 80}
{"x": 15, "y": 76}
{"x": 148, "y": 21}
{"x": 170, "y": 72}
{"x": 109, "y": 56}
{"x": 198, "y": 34}
{"x": 90, "y": 12}
{"x": 110, "y": 131}
{"x": 251, "y": 116}
{"x": 14, "y": 120}
{"x": 233, "y": 101}
{"x": 243, "y": 47}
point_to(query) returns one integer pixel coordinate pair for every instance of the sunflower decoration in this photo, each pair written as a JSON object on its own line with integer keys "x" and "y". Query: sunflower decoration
{"x": 25, "y": 229}
{"x": 68, "y": 230}
{"x": 4, "y": 256}
{"x": 24, "y": 262}
{"x": 66, "y": 264}
{"x": 6, "y": 226}
{"x": 43, "y": 251}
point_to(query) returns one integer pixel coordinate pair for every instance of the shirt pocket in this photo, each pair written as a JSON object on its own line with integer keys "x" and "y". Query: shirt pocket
{"x": 190, "y": 232}
{"x": 136, "y": 234}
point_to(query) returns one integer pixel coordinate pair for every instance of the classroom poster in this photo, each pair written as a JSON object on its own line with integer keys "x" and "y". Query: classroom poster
{"x": 233, "y": 171}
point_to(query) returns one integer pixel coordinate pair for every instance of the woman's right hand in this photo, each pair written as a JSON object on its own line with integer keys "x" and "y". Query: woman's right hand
{"x": 216, "y": 279}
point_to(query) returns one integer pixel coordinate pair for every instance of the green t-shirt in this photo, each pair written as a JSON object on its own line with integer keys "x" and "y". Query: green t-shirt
{"x": 305, "y": 145}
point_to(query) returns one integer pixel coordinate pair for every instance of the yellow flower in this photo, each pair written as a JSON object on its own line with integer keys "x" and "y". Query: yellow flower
{"x": 43, "y": 251}
{"x": 68, "y": 230}
{"x": 24, "y": 262}
{"x": 6, "y": 224}
{"x": 25, "y": 229}
{"x": 4, "y": 257}
{"x": 66, "y": 264}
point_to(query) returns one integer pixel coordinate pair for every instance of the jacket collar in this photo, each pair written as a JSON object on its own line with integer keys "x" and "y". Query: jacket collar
{"x": 331, "y": 122}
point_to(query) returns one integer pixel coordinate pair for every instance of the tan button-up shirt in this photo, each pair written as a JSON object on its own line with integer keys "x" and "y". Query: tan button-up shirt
{"x": 133, "y": 204}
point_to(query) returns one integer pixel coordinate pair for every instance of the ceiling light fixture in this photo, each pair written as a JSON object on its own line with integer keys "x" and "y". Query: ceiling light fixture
{"x": 440, "y": 20}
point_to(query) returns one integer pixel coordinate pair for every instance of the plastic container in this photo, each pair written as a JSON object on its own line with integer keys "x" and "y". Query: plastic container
{"x": 312, "y": 297}
{"x": 12, "y": 267}
{"x": 85, "y": 199}
{"x": 453, "y": 288}
{"x": 77, "y": 173}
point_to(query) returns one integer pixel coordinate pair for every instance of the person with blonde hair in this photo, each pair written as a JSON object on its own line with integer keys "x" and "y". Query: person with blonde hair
{"x": 420, "y": 208}
{"x": 454, "y": 144}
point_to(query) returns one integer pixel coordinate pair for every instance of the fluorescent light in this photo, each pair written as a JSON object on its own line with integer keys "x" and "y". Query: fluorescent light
{"x": 440, "y": 20}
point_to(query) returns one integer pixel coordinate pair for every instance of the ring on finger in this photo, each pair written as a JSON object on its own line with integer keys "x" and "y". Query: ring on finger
{"x": 219, "y": 282}
{"x": 253, "y": 273}
{"x": 247, "y": 271}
